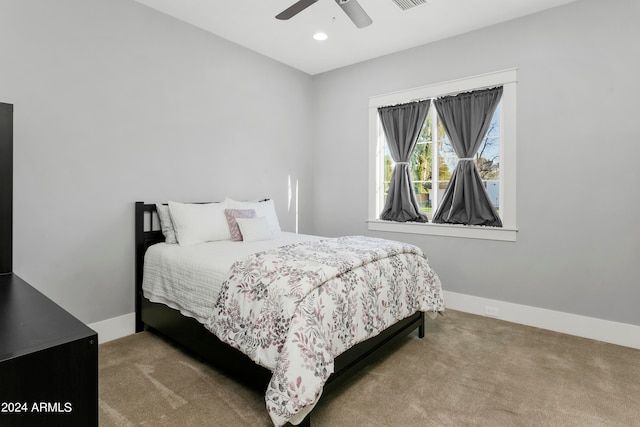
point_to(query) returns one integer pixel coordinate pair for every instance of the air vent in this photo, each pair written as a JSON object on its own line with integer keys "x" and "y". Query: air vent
{"x": 408, "y": 4}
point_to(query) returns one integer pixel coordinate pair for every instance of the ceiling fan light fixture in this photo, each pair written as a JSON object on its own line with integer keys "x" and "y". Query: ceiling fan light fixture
{"x": 352, "y": 8}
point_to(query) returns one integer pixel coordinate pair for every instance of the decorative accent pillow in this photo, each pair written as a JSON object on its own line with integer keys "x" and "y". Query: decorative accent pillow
{"x": 231, "y": 215}
{"x": 166, "y": 225}
{"x": 255, "y": 229}
{"x": 199, "y": 222}
{"x": 265, "y": 208}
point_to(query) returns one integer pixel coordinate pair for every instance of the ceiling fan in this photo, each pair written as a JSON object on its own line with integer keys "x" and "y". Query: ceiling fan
{"x": 351, "y": 7}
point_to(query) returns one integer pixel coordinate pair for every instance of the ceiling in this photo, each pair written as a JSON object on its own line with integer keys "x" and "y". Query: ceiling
{"x": 252, "y": 24}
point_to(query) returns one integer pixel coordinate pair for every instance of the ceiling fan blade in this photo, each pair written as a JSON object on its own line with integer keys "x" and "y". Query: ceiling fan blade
{"x": 294, "y": 9}
{"x": 354, "y": 11}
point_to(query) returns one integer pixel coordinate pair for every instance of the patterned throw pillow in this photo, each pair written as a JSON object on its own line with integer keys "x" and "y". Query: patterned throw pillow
{"x": 231, "y": 215}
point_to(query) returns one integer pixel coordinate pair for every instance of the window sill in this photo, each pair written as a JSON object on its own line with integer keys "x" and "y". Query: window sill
{"x": 446, "y": 230}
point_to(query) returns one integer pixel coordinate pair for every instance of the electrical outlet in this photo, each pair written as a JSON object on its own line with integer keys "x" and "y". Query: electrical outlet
{"x": 491, "y": 311}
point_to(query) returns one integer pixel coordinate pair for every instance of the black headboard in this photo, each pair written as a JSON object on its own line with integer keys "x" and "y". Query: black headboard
{"x": 147, "y": 233}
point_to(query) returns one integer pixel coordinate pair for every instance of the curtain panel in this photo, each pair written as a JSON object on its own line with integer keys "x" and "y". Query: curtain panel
{"x": 466, "y": 118}
{"x": 402, "y": 125}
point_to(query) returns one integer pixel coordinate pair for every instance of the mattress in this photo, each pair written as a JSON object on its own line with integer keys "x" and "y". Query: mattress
{"x": 189, "y": 278}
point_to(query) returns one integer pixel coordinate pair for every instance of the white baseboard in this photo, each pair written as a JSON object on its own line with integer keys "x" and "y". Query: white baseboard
{"x": 116, "y": 327}
{"x": 587, "y": 327}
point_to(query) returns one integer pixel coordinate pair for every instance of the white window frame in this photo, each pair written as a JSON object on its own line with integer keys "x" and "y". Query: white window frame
{"x": 508, "y": 232}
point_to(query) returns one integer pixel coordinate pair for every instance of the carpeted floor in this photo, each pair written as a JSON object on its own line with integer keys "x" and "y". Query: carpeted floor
{"x": 468, "y": 371}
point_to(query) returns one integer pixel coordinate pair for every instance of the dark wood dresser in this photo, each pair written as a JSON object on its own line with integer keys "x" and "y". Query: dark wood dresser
{"x": 48, "y": 361}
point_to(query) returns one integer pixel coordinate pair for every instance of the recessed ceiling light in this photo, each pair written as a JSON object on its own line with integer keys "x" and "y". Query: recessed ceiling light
{"x": 320, "y": 36}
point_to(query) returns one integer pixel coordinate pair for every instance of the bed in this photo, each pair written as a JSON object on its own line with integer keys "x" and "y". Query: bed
{"x": 308, "y": 347}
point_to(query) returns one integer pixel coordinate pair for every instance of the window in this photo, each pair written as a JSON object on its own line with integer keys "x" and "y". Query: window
{"x": 430, "y": 178}
{"x": 433, "y": 160}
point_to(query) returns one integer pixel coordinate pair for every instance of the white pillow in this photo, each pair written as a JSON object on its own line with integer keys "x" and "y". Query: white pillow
{"x": 166, "y": 225}
{"x": 266, "y": 208}
{"x": 255, "y": 229}
{"x": 198, "y": 223}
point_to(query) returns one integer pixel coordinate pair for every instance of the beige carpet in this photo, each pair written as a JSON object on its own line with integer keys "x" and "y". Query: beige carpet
{"x": 468, "y": 370}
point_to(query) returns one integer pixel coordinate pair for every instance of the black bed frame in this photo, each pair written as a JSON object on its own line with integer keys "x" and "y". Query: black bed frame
{"x": 192, "y": 335}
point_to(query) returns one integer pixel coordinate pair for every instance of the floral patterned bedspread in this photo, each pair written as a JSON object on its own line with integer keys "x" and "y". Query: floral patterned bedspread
{"x": 295, "y": 308}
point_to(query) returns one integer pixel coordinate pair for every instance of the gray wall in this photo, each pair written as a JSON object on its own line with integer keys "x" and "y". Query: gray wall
{"x": 578, "y": 247}
{"x": 114, "y": 103}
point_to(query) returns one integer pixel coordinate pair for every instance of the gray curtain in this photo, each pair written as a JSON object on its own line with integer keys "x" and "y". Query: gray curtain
{"x": 402, "y": 125}
{"x": 466, "y": 118}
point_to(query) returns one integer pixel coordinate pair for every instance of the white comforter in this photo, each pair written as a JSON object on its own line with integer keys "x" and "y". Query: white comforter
{"x": 294, "y": 309}
{"x": 189, "y": 278}
{"x": 342, "y": 297}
